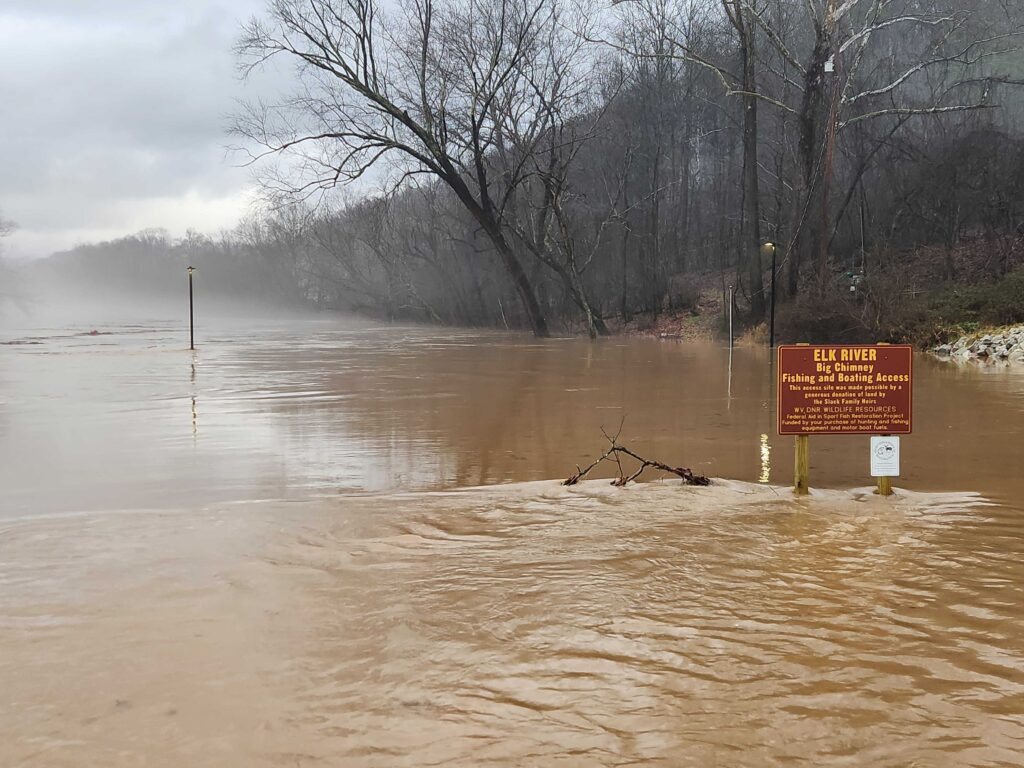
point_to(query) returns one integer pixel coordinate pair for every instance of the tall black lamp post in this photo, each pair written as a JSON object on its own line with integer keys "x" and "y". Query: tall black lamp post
{"x": 191, "y": 317}
{"x": 771, "y": 322}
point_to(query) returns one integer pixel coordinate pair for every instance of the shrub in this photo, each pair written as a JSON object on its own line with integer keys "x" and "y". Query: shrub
{"x": 965, "y": 308}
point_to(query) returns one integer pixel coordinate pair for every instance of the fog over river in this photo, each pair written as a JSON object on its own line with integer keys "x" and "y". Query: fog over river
{"x": 279, "y": 550}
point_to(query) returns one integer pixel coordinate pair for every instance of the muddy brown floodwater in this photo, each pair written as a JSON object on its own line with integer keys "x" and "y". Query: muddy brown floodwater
{"x": 343, "y": 545}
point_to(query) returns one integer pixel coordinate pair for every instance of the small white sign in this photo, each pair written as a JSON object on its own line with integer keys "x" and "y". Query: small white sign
{"x": 885, "y": 457}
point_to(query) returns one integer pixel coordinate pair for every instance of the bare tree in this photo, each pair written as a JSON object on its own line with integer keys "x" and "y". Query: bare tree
{"x": 865, "y": 60}
{"x": 570, "y": 108}
{"x": 431, "y": 87}
{"x": 682, "y": 31}
{"x": 851, "y": 61}
{"x": 741, "y": 17}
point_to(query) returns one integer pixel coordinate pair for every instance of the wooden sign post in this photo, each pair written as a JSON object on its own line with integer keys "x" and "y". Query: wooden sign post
{"x": 885, "y": 462}
{"x": 884, "y": 486}
{"x": 843, "y": 390}
{"x": 802, "y": 466}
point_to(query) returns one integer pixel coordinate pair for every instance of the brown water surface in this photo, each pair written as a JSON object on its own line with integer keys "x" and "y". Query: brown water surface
{"x": 270, "y": 553}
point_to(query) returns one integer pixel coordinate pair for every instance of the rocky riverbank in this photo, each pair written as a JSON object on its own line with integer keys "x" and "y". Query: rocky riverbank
{"x": 1005, "y": 345}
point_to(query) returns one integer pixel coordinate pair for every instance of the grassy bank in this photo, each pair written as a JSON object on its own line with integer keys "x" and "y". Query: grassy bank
{"x": 884, "y": 310}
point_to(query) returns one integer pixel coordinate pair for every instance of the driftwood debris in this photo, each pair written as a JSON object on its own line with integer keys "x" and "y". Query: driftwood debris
{"x": 615, "y": 453}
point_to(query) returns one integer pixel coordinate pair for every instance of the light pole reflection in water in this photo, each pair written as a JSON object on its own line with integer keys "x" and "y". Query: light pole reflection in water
{"x": 728, "y": 400}
{"x": 195, "y": 415}
{"x": 766, "y": 461}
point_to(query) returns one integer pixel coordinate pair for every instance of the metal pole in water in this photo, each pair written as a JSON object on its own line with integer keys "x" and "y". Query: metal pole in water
{"x": 730, "y": 317}
{"x": 191, "y": 317}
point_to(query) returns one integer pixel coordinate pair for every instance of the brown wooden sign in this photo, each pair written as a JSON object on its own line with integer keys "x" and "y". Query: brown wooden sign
{"x": 845, "y": 390}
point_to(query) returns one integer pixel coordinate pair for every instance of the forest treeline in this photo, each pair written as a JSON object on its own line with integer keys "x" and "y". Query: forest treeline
{"x": 243, "y": 269}
{"x": 562, "y": 163}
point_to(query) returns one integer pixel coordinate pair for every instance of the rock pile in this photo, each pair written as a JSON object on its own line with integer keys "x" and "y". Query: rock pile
{"x": 1005, "y": 346}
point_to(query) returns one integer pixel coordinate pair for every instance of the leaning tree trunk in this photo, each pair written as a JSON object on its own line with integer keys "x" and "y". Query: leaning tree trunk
{"x": 572, "y": 282}
{"x": 595, "y": 323}
{"x": 523, "y": 286}
{"x": 513, "y": 266}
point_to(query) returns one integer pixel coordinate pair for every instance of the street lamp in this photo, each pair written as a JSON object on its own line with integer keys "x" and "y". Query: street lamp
{"x": 771, "y": 325}
{"x": 191, "y": 318}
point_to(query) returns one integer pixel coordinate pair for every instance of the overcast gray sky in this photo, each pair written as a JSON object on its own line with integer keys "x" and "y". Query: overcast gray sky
{"x": 112, "y": 118}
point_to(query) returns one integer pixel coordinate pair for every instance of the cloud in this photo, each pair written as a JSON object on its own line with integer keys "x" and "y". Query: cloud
{"x": 115, "y": 115}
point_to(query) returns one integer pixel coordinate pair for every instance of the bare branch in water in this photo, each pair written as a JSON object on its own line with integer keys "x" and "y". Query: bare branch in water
{"x": 615, "y": 453}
